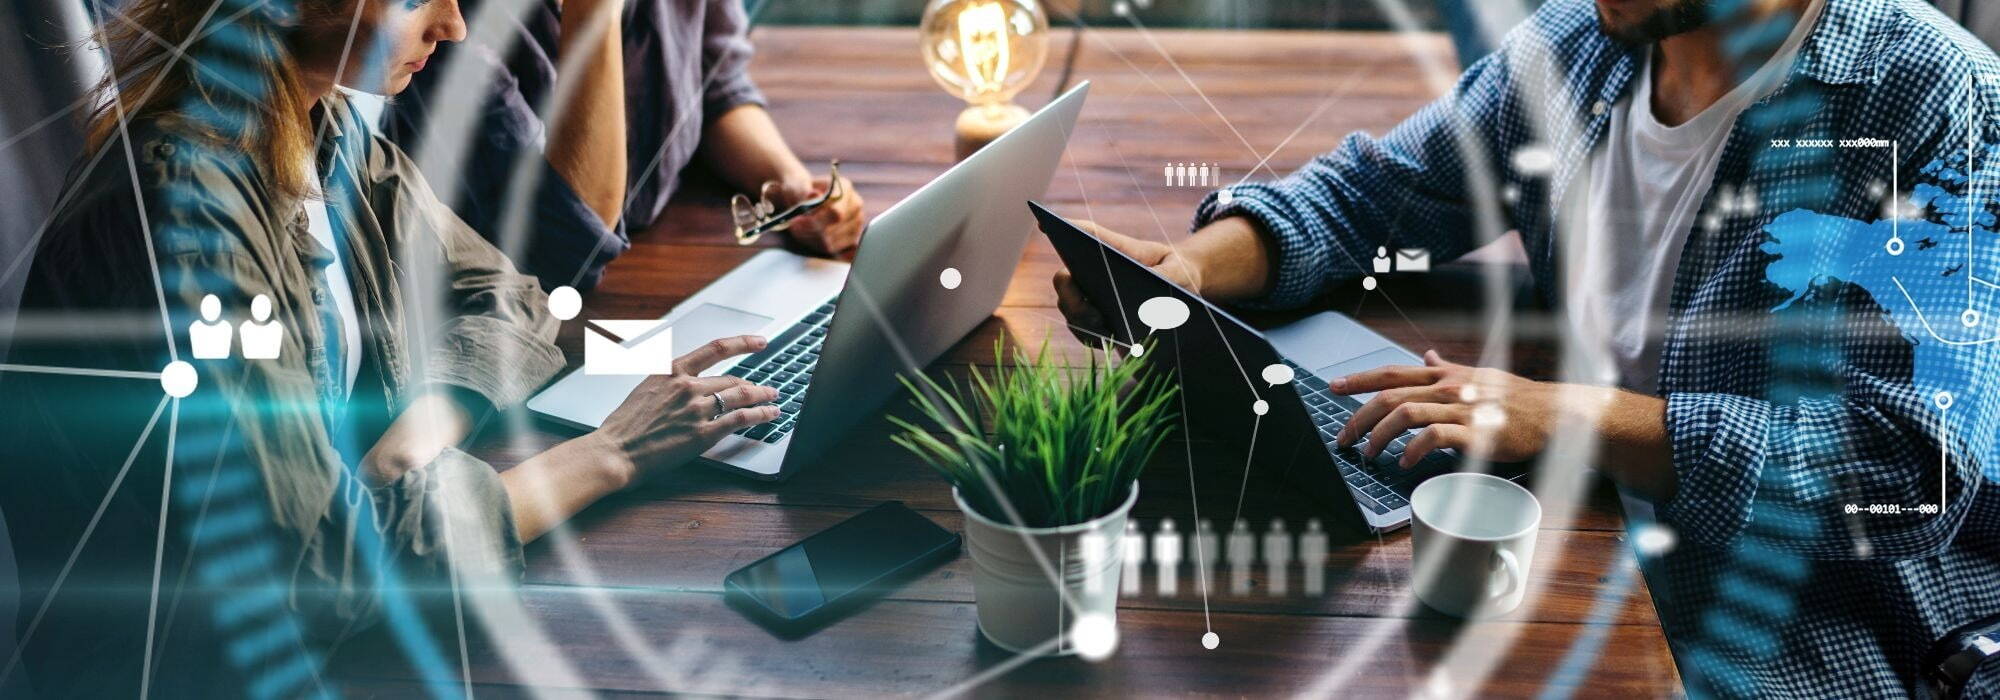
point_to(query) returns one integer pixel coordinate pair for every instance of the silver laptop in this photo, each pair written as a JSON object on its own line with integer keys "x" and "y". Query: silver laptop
{"x": 840, "y": 335}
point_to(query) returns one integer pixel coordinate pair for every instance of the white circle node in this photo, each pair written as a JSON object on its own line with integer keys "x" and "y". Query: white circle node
{"x": 1094, "y": 636}
{"x": 1533, "y": 160}
{"x": 1261, "y": 407}
{"x": 565, "y": 303}
{"x": 1894, "y": 246}
{"x": 1121, "y": 8}
{"x": 1210, "y": 641}
{"x": 178, "y": 379}
{"x": 1489, "y": 416}
{"x": 1654, "y": 540}
{"x": 1368, "y": 283}
{"x": 1468, "y": 393}
{"x": 1138, "y": 350}
{"x": 1970, "y": 318}
{"x": 1943, "y": 399}
{"x": 950, "y": 278}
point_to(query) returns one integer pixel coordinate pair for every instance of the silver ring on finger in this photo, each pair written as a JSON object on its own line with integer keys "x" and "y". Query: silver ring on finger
{"x": 720, "y": 406}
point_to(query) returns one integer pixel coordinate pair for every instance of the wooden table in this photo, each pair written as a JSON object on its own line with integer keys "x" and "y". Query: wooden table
{"x": 629, "y": 597}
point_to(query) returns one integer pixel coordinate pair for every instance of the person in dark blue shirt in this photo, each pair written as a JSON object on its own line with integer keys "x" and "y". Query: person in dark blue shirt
{"x": 569, "y": 126}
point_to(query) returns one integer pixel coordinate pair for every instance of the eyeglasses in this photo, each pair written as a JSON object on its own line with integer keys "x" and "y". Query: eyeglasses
{"x": 756, "y": 218}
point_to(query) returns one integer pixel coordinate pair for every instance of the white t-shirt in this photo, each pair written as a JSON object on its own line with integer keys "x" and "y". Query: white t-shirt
{"x": 1646, "y": 186}
{"x": 336, "y": 281}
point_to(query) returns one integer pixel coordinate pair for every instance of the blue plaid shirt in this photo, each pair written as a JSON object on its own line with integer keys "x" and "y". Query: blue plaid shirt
{"x": 1781, "y": 414}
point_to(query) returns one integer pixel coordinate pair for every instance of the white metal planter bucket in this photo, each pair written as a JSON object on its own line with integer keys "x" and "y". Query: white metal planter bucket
{"x": 1019, "y": 607}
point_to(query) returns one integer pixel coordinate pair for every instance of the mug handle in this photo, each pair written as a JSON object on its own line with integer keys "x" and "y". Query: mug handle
{"x": 1510, "y": 569}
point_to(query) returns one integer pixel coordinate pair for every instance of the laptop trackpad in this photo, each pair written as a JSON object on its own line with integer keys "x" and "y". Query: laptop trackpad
{"x": 710, "y": 321}
{"x": 1379, "y": 358}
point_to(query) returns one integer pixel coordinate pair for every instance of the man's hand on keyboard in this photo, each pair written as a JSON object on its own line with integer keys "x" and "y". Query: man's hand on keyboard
{"x": 1485, "y": 413}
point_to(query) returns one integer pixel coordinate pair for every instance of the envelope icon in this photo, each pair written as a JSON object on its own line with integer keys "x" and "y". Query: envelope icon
{"x": 1413, "y": 260}
{"x": 648, "y": 348}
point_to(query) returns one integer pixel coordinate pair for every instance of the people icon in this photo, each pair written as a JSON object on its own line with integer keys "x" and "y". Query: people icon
{"x": 1167, "y": 559}
{"x": 1134, "y": 545}
{"x": 1277, "y": 555}
{"x": 1093, "y": 549}
{"x": 1192, "y": 174}
{"x": 210, "y": 337}
{"x": 1242, "y": 549}
{"x": 262, "y": 336}
{"x": 1382, "y": 260}
{"x": 1312, "y": 554}
{"x": 1207, "y": 551}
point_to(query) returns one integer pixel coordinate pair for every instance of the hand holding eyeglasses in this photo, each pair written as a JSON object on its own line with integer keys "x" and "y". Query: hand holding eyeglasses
{"x": 825, "y": 217}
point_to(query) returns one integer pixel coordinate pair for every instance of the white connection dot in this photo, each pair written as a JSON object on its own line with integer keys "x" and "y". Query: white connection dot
{"x": 565, "y": 303}
{"x": 1534, "y": 160}
{"x": 178, "y": 379}
{"x": 1654, "y": 540}
{"x": 1210, "y": 641}
{"x": 1368, "y": 283}
{"x": 1489, "y": 416}
{"x": 1121, "y": 8}
{"x": 1970, "y": 318}
{"x": 950, "y": 278}
{"x": 1468, "y": 393}
{"x": 1261, "y": 407}
{"x": 1894, "y": 246}
{"x": 1094, "y": 636}
{"x": 1138, "y": 350}
{"x": 1943, "y": 399}
{"x": 1223, "y": 197}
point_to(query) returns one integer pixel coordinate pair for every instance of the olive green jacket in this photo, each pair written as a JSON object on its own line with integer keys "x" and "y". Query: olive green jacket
{"x": 438, "y": 307}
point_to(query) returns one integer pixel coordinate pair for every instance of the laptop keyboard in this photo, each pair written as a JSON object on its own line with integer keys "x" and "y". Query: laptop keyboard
{"x": 1380, "y": 485}
{"x": 786, "y": 364}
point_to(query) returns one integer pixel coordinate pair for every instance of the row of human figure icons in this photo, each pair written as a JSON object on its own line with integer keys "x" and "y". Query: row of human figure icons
{"x": 1193, "y": 175}
{"x": 210, "y": 337}
{"x": 1206, "y": 554}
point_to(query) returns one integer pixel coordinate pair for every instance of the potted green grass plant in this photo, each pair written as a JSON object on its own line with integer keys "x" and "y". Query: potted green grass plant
{"x": 1044, "y": 460}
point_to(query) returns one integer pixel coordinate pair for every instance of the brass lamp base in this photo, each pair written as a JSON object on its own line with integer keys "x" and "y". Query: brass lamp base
{"x": 979, "y": 125}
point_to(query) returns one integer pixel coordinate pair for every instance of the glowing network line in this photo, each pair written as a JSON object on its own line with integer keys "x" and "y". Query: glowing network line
{"x": 1927, "y": 324}
{"x": 28, "y": 634}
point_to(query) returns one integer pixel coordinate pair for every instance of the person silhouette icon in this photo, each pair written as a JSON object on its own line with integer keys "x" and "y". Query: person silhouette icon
{"x": 210, "y": 337}
{"x": 262, "y": 336}
{"x": 1382, "y": 260}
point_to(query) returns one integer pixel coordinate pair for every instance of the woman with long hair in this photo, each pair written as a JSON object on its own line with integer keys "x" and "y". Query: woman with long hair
{"x": 325, "y": 332}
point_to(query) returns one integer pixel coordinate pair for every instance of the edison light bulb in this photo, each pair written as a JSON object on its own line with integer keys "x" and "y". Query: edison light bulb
{"x": 985, "y": 52}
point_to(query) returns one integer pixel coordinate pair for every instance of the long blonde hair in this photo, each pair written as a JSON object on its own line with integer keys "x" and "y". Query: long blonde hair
{"x": 254, "y": 43}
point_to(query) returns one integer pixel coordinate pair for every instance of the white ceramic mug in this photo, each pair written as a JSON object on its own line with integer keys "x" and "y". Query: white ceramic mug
{"x": 1472, "y": 536}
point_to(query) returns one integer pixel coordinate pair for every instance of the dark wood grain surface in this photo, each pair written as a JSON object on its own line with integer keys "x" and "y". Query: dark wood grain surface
{"x": 627, "y": 598}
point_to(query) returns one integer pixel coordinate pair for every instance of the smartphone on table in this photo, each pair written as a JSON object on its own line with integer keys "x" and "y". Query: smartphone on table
{"x": 813, "y": 582}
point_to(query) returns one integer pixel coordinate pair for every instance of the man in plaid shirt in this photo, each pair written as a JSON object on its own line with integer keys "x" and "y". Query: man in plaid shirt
{"x": 1703, "y": 188}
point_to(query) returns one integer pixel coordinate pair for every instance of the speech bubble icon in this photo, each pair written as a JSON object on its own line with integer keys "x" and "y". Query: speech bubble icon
{"x": 1163, "y": 313}
{"x": 1277, "y": 373}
